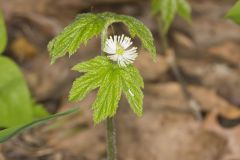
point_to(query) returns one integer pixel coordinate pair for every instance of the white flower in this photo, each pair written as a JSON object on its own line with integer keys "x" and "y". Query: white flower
{"x": 118, "y": 49}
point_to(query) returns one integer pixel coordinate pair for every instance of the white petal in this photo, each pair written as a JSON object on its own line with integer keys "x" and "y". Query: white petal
{"x": 126, "y": 42}
{"x": 111, "y": 48}
{"x": 114, "y": 57}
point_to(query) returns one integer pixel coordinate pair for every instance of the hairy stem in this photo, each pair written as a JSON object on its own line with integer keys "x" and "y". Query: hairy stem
{"x": 111, "y": 139}
{"x": 171, "y": 56}
{"x": 111, "y": 134}
{"x": 103, "y": 39}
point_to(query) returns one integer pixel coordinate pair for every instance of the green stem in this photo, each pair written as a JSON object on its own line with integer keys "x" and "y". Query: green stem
{"x": 174, "y": 67}
{"x": 111, "y": 140}
{"x": 103, "y": 39}
{"x": 111, "y": 134}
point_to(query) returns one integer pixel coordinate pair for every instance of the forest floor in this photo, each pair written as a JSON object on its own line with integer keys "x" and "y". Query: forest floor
{"x": 207, "y": 54}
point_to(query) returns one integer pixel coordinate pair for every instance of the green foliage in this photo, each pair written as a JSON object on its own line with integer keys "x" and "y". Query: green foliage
{"x": 184, "y": 10}
{"x": 234, "y": 13}
{"x": 84, "y": 27}
{"x": 108, "y": 95}
{"x": 12, "y": 131}
{"x": 3, "y": 34}
{"x": 169, "y": 8}
{"x": 88, "y": 25}
{"x": 16, "y": 106}
{"x": 132, "y": 83}
{"x": 111, "y": 80}
{"x": 137, "y": 28}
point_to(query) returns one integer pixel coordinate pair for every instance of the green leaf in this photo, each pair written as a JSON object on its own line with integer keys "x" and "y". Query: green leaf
{"x": 184, "y": 10}
{"x": 15, "y": 101}
{"x": 84, "y": 27}
{"x": 96, "y": 69}
{"x": 234, "y": 13}
{"x": 88, "y": 25}
{"x": 137, "y": 28}
{"x": 93, "y": 64}
{"x": 111, "y": 80}
{"x": 108, "y": 96}
{"x": 16, "y": 105}
{"x": 12, "y": 131}
{"x": 39, "y": 111}
{"x": 83, "y": 85}
{"x": 156, "y": 6}
{"x": 168, "y": 11}
{"x": 132, "y": 81}
{"x": 3, "y": 34}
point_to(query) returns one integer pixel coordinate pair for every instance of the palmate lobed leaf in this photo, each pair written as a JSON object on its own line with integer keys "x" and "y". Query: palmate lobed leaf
{"x": 92, "y": 65}
{"x": 88, "y": 25}
{"x": 111, "y": 80}
{"x": 234, "y": 12}
{"x": 169, "y": 8}
{"x": 84, "y": 27}
{"x": 137, "y": 28}
{"x": 132, "y": 83}
{"x": 108, "y": 96}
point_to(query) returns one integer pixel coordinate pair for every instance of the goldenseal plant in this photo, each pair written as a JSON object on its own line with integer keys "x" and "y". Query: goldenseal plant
{"x": 112, "y": 72}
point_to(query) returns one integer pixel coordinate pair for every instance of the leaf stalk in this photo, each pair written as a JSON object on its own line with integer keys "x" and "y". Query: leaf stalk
{"x": 111, "y": 133}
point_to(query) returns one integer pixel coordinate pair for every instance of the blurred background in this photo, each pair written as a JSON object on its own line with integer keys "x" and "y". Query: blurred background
{"x": 208, "y": 57}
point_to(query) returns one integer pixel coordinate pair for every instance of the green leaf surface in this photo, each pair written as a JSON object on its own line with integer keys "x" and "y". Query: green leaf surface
{"x": 234, "y": 12}
{"x": 168, "y": 9}
{"x": 96, "y": 69}
{"x": 184, "y": 10}
{"x": 92, "y": 65}
{"x": 137, "y": 28}
{"x": 111, "y": 80}
{"x": 3, "y": 34}
{"x": 16, "y": 106}
{"x": 88, "y": 25}
{"x": 156, "y": 6}
{"x": 132, "y": 83}
{"x": 12, "y": 131}
{"x": 108, "y": 96}
{"x": 15, "y": 101}
{"x": 84, "y": 27}
{"x": 39, "y": 111}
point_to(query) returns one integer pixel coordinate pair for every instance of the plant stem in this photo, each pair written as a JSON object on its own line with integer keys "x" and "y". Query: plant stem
{"x": 111, "y": 139}
{"x": 171, "y": 56}
{"x": 111, "y": 134}
{"x": 103, "y": 39}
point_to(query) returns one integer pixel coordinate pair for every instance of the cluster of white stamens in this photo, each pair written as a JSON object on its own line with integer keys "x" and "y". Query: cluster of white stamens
{"x": 117, "y": 48}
